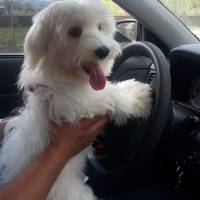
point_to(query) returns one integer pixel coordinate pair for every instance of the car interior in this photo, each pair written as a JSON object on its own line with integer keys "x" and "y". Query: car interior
{"x": 156, "y": 158}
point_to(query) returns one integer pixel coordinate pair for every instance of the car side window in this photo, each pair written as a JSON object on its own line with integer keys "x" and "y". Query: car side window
{"x": 126, "y": 24}
{"x": 16, "y": 18}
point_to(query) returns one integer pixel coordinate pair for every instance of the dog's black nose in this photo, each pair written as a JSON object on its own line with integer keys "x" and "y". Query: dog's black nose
{"x": 102, "y": 52}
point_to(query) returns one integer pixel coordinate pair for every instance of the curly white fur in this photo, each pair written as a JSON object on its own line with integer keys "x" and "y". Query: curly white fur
{"x": 56, "y": 60}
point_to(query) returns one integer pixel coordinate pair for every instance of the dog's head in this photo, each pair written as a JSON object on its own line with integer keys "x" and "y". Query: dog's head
{"x": 75, "y": 36}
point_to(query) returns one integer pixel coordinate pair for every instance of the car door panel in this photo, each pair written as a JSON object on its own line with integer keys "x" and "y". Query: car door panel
{"x": 10, "y": 97}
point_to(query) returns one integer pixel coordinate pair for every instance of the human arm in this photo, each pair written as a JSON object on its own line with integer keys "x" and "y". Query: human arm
{"x": 36, "y": 180}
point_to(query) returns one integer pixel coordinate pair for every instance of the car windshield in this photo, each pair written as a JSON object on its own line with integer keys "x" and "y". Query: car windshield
{"x": 187, "y": 11}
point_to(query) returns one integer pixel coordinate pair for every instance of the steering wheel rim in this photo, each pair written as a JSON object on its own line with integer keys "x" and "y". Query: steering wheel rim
{"x": 153, "y": 127}
{"x": 158, "y": 119}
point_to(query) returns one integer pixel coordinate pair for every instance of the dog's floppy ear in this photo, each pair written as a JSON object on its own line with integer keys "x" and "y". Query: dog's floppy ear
{"x": 36, "y": 42}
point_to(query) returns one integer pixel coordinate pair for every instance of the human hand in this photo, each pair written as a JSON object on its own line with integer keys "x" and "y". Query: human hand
{"x": 71, "y": 139}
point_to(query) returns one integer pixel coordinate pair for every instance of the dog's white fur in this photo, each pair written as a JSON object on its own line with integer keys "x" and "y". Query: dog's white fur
{"x": 55, "y": 59}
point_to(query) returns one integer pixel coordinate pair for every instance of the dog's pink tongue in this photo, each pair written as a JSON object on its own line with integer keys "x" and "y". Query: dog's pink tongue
{"x": 96, "y": 76}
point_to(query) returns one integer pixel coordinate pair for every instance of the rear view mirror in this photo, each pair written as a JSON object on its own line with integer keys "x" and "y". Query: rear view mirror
{"x": 128, "y": 27}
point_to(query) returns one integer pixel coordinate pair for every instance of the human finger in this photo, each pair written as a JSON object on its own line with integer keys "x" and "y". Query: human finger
{"x": 87, "y": 123}
{"x": 98, "y": 126}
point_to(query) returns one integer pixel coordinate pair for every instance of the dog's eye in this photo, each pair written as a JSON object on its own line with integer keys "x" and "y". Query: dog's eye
{"x": 75, "y": 32}
{"x": 100, "y": 27}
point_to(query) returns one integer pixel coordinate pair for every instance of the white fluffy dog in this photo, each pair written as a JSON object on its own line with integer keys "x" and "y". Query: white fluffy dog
{"x": 69, "y": 51}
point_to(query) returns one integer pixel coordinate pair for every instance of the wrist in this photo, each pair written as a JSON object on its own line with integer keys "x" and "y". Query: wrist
{"x": 58, "y": 153}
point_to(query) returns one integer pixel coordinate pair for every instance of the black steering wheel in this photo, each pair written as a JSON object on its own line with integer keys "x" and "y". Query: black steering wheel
{"x": 141, "y": 136}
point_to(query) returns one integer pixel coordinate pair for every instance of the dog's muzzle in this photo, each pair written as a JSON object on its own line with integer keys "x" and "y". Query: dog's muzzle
{"x": 102, "y": 52}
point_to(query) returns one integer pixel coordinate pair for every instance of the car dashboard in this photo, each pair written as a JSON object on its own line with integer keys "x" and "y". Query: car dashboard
{"x": 185, "y": 74}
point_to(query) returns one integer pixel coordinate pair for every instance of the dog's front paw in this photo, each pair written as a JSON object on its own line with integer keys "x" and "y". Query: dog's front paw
{"x": 133, "y": 100}
{"x": 142, "y": 99}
